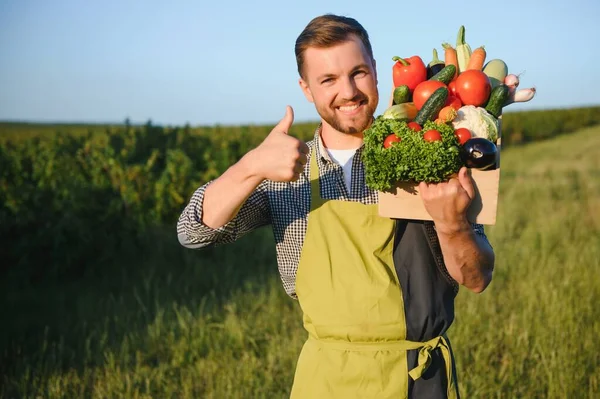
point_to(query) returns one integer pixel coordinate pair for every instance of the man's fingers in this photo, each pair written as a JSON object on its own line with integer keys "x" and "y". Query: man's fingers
{"x": 304, "y": 148}
{"x": 303, "y": 159}
{"x": 464, "y": 177}
{"x": 298, "y": 168}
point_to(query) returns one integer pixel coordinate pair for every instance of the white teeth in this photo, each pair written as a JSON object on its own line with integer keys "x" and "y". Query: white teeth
{"x": 349, "y": 108}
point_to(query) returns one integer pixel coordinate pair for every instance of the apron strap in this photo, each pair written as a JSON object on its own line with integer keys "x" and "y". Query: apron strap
{"x": 424, "y": 360}
{"x": 315, "y": 187}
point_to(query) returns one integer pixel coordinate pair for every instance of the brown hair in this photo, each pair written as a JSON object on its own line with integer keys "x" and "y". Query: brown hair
{"x": 326, "y": 31}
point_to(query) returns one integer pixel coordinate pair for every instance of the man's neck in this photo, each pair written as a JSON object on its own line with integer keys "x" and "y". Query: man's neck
{"x": 335, "y": 140}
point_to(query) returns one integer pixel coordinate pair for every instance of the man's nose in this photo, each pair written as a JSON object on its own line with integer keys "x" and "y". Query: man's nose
{"x": 348, "y": 90}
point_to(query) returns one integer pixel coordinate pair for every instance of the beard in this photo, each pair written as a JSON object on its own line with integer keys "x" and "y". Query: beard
{"x": 350, "y": 125}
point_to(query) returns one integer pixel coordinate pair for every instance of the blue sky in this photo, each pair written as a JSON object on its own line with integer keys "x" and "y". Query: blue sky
{"x": 232, "y": 62}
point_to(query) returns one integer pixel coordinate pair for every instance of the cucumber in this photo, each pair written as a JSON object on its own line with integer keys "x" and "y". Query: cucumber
{"x": 445, "y": 75}
{"x": 498, "y": 97}
{"x": 401, "y": 94}
{"x": 432, "y": 106}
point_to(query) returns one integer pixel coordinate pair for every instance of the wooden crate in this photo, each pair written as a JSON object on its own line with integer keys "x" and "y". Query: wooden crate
{"x": 404, "y": 202}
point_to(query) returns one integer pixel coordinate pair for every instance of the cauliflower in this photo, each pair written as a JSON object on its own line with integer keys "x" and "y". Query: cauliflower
{"x": 479, "y": 122}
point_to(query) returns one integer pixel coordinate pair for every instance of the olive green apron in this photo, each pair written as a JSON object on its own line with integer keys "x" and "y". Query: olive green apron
{"x": 352, "y": 307}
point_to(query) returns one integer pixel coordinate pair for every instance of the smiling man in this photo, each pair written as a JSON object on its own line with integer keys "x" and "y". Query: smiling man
{"x": 341, "y": 81}
{"x": 377, "y": 294}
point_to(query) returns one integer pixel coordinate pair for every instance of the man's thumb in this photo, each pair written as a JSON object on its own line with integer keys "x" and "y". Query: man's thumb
{"x": 464, "y": 177}
{"x": 285, "y": 124}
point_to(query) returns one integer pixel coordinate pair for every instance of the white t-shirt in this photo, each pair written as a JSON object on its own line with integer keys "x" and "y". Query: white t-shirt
{"x": 344, "y": 159}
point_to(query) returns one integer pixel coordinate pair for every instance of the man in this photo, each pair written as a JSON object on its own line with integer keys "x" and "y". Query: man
{"x": 377, "y": 294}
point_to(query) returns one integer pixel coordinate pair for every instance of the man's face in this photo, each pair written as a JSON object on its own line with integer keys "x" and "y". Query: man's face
{"x": 342, "y": 83}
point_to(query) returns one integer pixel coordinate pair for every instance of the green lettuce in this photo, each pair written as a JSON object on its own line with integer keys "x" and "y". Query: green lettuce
{"x": 412, "y": 159}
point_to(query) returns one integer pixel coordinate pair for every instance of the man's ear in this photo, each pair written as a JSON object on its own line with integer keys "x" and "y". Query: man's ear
{"x": 305, "y": 90}
{"x": 375, "y": 70}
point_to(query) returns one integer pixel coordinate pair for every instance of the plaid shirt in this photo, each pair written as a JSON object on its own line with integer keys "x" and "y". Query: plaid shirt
{"x": 270, "y": 204}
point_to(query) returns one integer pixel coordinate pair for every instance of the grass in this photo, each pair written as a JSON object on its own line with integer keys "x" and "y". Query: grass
{"x": 534, "y": 332}
{"x": 168, "y": 322}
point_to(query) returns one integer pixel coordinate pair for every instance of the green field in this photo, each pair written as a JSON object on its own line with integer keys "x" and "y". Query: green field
{"x": 161, "y": 321}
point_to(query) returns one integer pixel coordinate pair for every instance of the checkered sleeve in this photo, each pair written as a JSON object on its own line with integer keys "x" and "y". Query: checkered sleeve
{"x": 480, "y": 232}
{"x": 478, "y": 229}
{"x": 193, "y": 233}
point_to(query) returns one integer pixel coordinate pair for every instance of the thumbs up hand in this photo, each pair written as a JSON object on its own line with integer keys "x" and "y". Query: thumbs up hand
{"x": 280, "y": 157}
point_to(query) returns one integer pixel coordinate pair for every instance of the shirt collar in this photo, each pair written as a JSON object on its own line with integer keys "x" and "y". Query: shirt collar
{"x": 321, "y": 150}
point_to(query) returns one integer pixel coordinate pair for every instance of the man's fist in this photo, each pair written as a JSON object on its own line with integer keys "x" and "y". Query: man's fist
{"x": 447, "y": 202}
{"x": 280, "y": 157}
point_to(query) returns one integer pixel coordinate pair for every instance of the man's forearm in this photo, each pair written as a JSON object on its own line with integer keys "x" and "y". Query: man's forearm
{"x": 469, "y": 258}
{"x": 225, "y": 196}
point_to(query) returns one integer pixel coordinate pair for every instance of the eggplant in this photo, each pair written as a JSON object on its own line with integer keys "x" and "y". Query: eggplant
{"x": 435, "y": 65}
{"x": 479, "y": 153}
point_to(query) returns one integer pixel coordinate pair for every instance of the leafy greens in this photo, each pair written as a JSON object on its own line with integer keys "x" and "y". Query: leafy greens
{"x": 411, "y": 159}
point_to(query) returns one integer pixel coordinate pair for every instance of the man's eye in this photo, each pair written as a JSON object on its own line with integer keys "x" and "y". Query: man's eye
{"x": 360, "y": 73}
{"x": 328, "y": 80}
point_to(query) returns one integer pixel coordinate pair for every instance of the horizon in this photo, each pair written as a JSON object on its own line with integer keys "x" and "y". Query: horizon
{"x": 141, "y": 123}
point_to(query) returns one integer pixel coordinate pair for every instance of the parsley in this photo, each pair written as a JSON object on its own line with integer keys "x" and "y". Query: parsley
{"x": 411, "y": 159}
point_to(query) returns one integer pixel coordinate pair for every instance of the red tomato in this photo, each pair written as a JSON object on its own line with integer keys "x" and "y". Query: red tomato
{"x": 432, "y": 135}
{"x": 391, "y": 139}
{"x": 424, "y": 90}
{"x": 452, "y": 87}
{"x": 453, "y": 101}
{"x": 473, "y": 87}
{"x": 463, "y": 134}
{"x": 415, "y": 126}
